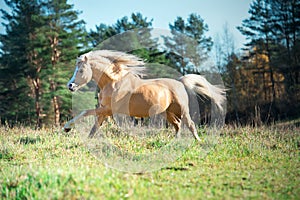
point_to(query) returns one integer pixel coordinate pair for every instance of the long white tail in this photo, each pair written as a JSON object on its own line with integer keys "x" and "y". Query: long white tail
{"x": 202, "y": 87}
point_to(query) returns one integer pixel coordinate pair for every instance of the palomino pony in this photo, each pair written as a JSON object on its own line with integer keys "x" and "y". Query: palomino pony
{"x": 122, "y": 91}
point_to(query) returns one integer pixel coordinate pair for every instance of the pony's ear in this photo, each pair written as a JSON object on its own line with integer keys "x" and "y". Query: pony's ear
{"x": 85, "y": 59}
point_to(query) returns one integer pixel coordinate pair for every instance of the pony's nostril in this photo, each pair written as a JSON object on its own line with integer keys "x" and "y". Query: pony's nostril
{"x": 71, "y": 86}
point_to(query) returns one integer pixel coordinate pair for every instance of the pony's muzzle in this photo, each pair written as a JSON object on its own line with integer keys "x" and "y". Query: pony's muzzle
{"x": 67, "y": 129}
{"x": 72, "y": 87}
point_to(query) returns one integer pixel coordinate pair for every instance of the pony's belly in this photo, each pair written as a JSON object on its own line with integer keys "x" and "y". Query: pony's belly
{"x": 145, "y": 111}
{"x": 149, "y": 100}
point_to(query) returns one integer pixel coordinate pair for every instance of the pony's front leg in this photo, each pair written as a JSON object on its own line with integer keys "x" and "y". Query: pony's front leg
{"x": 102, "y": 113}
{"x": 70, "y": 124}
{"x": 96, "y": 126}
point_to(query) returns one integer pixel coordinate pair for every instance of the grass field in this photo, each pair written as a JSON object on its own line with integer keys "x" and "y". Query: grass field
{"x": 246, "y": 163}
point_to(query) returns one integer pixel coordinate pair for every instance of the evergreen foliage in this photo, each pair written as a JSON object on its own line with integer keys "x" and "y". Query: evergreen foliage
{"x": 188, "y": 47}
{"x": 43, "y": 38}
{"x": 38, "y": 49}
{"x": 129, "y": 35}
{"x": 273, "y": 30}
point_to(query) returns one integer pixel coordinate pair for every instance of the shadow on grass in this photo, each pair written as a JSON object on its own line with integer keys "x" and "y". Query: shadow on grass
{"x": 176, "y": 168}
{"x": 29, "y": 140}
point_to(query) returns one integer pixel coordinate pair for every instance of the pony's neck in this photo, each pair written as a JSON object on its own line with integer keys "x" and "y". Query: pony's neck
{"x": 101, "y": 78}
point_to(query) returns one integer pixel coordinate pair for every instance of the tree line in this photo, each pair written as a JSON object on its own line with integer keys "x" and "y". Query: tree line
{"x": 264, "y": 80}
{"x": 43, "y": 38}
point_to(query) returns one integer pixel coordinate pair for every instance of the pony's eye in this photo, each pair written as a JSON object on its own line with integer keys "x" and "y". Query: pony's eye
{"x": 81, "y": 71}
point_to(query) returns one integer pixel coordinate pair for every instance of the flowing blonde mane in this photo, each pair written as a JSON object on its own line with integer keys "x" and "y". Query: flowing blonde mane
{"x": 117, "y": 64}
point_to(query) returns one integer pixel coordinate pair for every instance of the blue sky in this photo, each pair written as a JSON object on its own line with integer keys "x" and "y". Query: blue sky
{"x": 214, "y": 12}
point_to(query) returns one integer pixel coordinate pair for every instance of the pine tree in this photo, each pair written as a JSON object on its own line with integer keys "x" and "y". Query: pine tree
{"x": 188, "y": 47}
{"x": 135, "y": 33}
{"x": 42, "y": 40}
{"x": 258, "y": 29}
{"x": 286, "y": 28}
{"x": 135, "y": 38}
{"x": 272, "y": 30}
{"x": 17, "y": 61}
{"x": 62, "y": 35}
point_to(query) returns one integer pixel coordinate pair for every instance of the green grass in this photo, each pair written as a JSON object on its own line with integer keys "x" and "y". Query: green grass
{"x": 247, "y": 163}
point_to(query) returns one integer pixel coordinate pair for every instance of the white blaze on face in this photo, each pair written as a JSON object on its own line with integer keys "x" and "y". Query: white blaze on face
{"x": 73, "y": 77}
{"x": 71, "y": 84}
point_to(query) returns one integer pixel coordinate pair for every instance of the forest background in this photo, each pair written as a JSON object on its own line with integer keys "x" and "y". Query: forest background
{"x": 42, "y": 40}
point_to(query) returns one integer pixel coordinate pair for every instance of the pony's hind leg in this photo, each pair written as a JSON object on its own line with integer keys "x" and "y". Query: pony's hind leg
{"x": 191, "y": 125}
{"x": 175, "y": 121}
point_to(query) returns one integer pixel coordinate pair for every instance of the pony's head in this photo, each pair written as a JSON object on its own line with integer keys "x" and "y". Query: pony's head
{"x": 82, "y": 74}
{"x": 113, "y": 64}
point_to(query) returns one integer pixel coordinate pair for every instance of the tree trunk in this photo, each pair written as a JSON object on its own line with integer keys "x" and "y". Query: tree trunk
{"x": 56, "y": 111}
{"x": 54, "y": 60}
{"x": 271, "y": 70}
{"x": 36, "y": 83}
{"x": 55, "y": 103}
{"x": 272, "y": 85}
